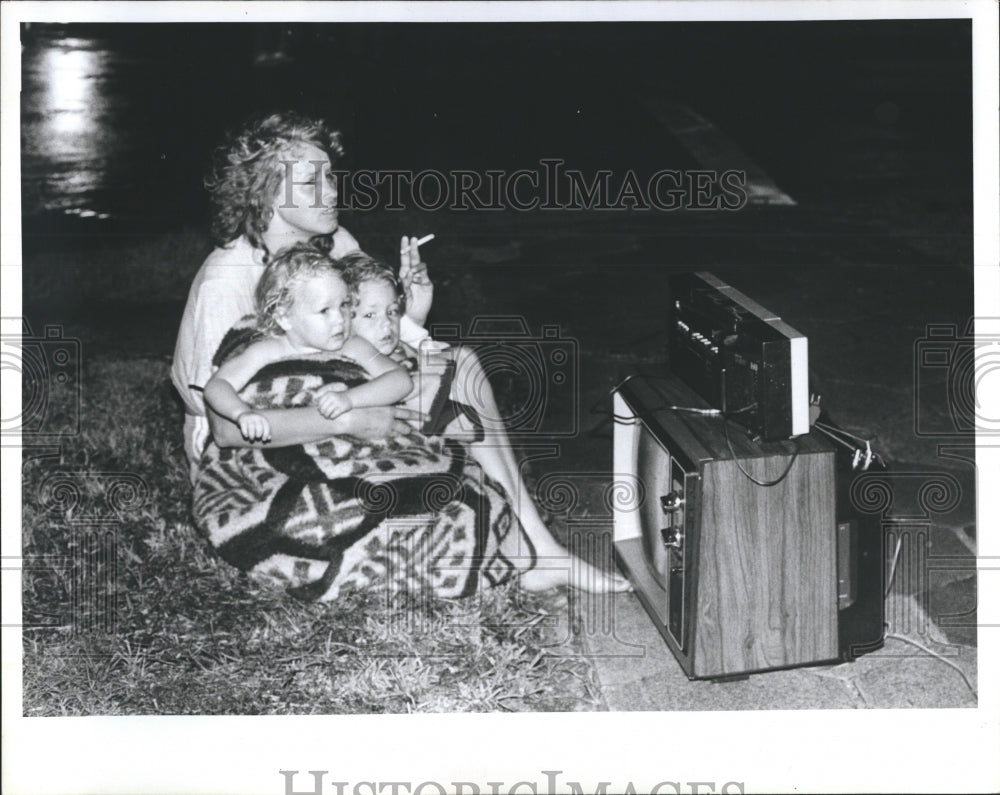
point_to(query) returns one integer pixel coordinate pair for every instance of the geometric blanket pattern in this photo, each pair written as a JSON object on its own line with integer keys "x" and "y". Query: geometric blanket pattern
{"x": 409, "y": 512}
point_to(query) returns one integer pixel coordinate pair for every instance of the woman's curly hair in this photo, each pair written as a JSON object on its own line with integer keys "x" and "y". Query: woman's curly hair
{"x": 359, "y": 268}
{"x": 276, "y": 289}
{"x": 247, "y": 172}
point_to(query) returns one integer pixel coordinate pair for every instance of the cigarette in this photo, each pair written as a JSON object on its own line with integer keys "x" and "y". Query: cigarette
{"x": 424, "y": 239}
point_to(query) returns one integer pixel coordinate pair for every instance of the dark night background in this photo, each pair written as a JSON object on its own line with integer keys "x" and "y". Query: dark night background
{"x": 118, "y": 120}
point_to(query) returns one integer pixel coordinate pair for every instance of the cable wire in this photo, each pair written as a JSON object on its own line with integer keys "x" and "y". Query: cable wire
{"x": 623, "y": 420}
{"x": 619, "y": 419}
{"x": 892, "y": 568}
{"x": 933, "y": 653}
{"x": 765, "y": 483}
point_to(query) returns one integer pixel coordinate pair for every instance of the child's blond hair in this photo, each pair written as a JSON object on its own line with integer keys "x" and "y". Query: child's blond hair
{"x": 359, "y": 268}
{"x": 275, "y": 290}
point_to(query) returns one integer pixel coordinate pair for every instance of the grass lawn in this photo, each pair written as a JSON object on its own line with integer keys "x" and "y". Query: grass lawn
{"x": 127, "y": 610}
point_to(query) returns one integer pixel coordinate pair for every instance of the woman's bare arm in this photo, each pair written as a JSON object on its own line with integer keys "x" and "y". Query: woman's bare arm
{"x": 303, "y": 425}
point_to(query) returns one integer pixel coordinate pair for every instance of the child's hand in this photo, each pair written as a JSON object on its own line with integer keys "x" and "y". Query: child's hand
{"x": 332, "y": 404}
{"x": 254, "y": 427}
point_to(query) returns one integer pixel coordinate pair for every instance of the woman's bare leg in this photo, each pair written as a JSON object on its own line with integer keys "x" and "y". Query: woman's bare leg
{"x": 554, "y": 564}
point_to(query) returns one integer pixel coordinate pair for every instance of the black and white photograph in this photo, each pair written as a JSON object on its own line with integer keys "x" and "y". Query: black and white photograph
{"x": 463, "y": 397}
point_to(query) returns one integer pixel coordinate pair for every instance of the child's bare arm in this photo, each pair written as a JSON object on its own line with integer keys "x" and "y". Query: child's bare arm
{"x": 234, "y": 374}
{"x": 221, "y": 391}
{"x": 390, "y": 381}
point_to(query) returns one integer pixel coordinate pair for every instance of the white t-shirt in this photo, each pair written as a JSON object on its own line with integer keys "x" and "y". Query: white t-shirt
{"x": 222, "y": 293}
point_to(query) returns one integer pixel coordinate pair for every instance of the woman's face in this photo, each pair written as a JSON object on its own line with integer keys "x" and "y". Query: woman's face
{"x": 306, "y": 202}
{"x": 376, "y": 316}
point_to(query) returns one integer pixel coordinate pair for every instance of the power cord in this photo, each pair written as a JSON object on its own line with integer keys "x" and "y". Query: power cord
{"x": 620, "y": 420}
{"x": 892, "y": 568}
{"x": 765, "y": 483}
{"x": 933, "y": 653}
{"x": 921, "y": 646}
{"x": 725, "y": 416}
{"x": 864, "y": 456}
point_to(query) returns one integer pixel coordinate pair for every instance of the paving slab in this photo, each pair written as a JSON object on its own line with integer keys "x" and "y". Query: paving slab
{"x": 953, "y": 608}
{"x": 637, "y": 672}
{"x": 901, "y": 676}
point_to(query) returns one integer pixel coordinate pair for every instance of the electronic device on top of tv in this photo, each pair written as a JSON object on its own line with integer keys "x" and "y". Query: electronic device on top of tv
{"x": 741, "y": 358}
{"x": 746, "y": 550}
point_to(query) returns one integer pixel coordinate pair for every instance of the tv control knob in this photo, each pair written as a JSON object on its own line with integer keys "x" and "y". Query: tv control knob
{"x": 672, "y": 537}
{"x": 671, "y": 502}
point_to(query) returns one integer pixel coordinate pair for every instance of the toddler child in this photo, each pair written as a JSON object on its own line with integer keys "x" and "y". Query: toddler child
{"x": 304, "y": 307}
{"x": 379, "y": 303}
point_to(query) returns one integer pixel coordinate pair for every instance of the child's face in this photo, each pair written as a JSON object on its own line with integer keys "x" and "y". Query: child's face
{"x": 320, "y": 315}
{"x": 376, "y": 315}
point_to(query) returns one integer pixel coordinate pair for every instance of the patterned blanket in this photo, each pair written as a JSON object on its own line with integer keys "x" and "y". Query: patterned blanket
{"x": 408, "y": 512}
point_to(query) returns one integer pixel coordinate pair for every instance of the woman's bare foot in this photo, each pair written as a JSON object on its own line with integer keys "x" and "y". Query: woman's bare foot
{"x": 573, "y": 572}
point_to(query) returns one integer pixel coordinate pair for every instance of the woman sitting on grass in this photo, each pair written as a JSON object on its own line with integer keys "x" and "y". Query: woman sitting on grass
{"x": 272, "y": 188}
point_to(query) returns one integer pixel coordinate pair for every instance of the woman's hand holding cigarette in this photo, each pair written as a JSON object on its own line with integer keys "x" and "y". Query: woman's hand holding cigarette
{"x": 416, "y": 282}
